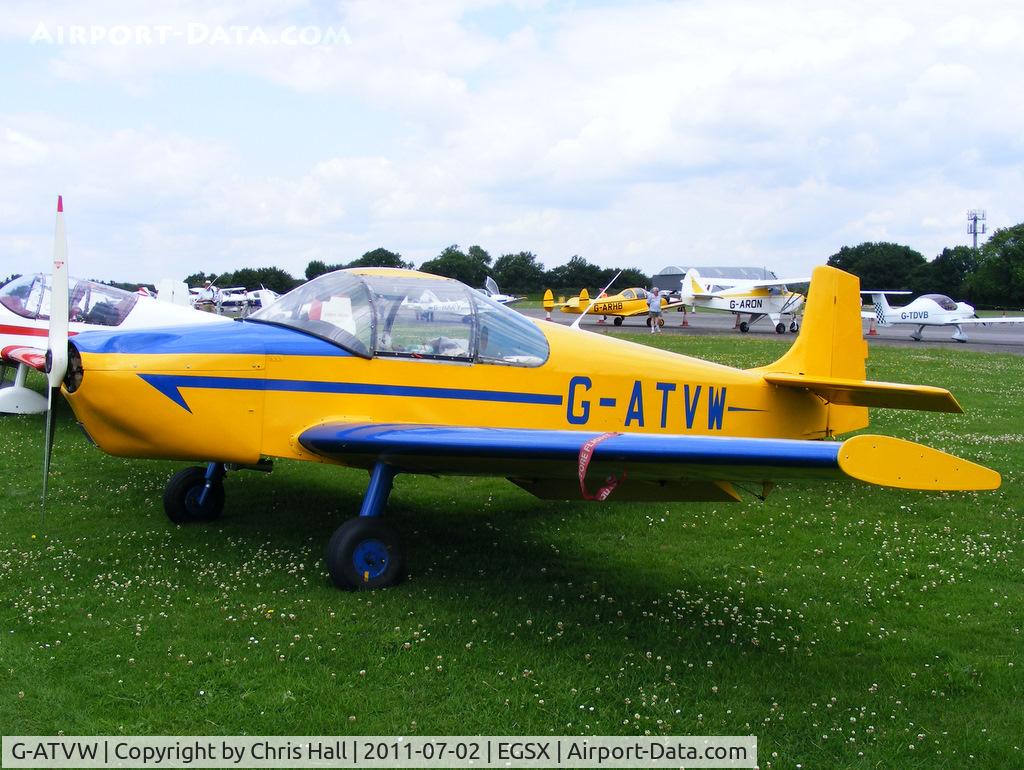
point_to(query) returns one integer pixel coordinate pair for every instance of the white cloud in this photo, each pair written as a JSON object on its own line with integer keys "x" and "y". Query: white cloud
{"x": 648, "y": 133}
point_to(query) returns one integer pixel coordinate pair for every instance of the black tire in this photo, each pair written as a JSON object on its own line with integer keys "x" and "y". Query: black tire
{"x": 794, "y": 327}
{"x": 618, "y": 320}
{"x": 181, "y": 497}
{"x": 744, "y": 327}
{"x": 661, "y": 321}
{"x": 364, "y": 554}
{"x": 780, "y": 328}
{"x": 648, "y": 322}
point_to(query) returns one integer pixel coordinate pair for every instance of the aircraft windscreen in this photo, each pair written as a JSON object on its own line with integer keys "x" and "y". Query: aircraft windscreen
{"x": 88, "y": 302}
{"x": 335, "y": 306}
{"x": 408, "y": 316}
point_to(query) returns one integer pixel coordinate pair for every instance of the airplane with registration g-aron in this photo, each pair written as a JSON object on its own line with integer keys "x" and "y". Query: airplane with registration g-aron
{"x": 540, "y": 404}
{"x": 625, "y": 304}
{"x": 756, "y": 298}
{"x": 929, "y": 310}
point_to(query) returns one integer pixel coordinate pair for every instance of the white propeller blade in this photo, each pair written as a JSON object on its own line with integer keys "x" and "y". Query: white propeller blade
{"x": 57, "y": 344}
{"x": 578, "y": 321}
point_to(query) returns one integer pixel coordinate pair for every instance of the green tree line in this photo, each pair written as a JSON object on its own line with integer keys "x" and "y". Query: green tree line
{"x": 991, "y": 276}
{"x": 519, "y": 273}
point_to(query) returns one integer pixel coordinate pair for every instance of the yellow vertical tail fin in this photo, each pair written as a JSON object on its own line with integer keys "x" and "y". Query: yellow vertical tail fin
{"x": 831, "y": 342}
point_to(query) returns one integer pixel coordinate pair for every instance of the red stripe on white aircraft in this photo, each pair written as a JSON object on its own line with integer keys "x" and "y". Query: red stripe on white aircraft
{"x": 27, "y": 331}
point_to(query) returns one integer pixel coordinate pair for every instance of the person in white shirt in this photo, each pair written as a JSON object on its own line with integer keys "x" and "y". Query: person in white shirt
{"x": 654, "y": 310}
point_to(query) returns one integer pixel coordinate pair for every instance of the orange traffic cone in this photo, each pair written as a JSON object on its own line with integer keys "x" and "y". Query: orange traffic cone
{"x": 872, "y": 331}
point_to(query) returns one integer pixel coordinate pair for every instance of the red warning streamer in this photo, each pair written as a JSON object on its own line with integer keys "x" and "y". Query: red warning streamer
{"x": 586, "y": 454}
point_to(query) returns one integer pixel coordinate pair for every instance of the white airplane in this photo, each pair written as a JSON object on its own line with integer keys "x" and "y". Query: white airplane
{"x": 743, "y": 296}
{"x": 929, "y": 310}
{"x": 25, "y": 318}
{"x": 237, "y": 299}
{"x": 491, "y": 290}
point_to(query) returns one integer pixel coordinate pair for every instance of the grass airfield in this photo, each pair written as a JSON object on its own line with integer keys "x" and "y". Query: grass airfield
{"x": 844, "y": 626}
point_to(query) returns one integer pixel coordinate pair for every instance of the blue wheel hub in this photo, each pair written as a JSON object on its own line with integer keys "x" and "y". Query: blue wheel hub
{"x": 370, "y": 559}
{"x": 192, "y": 498}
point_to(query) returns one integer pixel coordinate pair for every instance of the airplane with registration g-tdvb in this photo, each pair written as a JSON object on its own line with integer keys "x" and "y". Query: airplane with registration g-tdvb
{"x": 929, "y": 310}
{"x": 342, "y": 370}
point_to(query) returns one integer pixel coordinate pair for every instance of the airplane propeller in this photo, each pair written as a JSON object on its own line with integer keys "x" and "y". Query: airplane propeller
{"x": 57, "y": 342}
{"x": 578, "y": 321}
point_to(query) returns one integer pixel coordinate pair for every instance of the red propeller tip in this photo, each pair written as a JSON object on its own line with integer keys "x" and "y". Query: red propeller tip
{"x": 60, "y": 204}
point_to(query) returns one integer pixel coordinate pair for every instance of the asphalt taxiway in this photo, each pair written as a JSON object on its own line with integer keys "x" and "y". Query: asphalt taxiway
{"x": 1001, "y": 338}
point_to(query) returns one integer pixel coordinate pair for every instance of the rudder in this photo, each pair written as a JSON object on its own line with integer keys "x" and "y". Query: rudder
{"x": 831, "y": 342}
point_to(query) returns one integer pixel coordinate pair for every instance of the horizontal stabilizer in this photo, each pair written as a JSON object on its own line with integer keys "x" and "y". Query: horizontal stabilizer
{"x": 849, "y": 392}
{"x": 20, "y": 354}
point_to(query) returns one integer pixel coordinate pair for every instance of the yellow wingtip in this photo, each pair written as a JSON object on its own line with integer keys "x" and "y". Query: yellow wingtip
{"x": 894, "y": 462}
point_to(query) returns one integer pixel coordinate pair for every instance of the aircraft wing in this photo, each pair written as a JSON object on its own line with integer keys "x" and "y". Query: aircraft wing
{"x": 1000, "y": 320}
{"x": 643, "y": 310}
{"x": 20, "y": 354}
{"x": 547, "y": 463}
{"x": 776, "y": 282}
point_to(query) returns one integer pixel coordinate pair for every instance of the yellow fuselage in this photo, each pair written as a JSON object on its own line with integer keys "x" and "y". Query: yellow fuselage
{"x": 240, "y": 406}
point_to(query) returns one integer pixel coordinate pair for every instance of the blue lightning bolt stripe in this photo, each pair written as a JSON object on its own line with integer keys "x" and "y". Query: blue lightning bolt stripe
{"x": 170, "y": 385}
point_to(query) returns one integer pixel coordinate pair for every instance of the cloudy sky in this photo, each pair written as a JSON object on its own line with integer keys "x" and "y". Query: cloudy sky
{"x": 191, "y": 135}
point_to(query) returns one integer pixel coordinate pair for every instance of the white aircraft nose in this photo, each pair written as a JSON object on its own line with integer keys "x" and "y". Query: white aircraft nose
{"x": 964, "y": 307}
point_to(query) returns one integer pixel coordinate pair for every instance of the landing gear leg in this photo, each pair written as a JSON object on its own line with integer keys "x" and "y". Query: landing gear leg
{"x": 364, "y": 552}
{"x": 959, "y": 335}
{"x": 916, "y": 336}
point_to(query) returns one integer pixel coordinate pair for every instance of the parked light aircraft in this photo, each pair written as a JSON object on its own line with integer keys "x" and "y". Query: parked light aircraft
{"x": 755, "y": 298}
{"x": 625, "y": 304}
{"x": 238, "y": 300}
{"x": 25, "y": 314}
{"x": 341, "y": 370}
{"x": 491, "y": 290}
{"x": 929, "y": 310}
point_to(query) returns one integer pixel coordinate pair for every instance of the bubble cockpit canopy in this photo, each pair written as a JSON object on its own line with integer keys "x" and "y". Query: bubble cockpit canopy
{"x": 88, "y": 301}
{"x": 941, "y": 300}
{"x": 385, "y": 312}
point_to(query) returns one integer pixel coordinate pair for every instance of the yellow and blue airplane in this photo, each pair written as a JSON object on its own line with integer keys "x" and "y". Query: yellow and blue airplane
{"x": 343, "y": 371}
{"x": 625, "y": 304}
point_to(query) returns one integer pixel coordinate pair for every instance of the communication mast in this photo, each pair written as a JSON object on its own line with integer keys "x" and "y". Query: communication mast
{"x": 973, "y": 217}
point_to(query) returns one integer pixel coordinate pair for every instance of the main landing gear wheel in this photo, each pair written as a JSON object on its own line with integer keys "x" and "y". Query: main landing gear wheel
{"x": 618, "y": 320}
{"x": 780, "y": 328}
{"x": 661, "y": 321}
{"x": 794, "y": 327}
{"x": 744, "y": 327}
{"x": 364, "y": 554}
{"x": 183, "y": 493}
